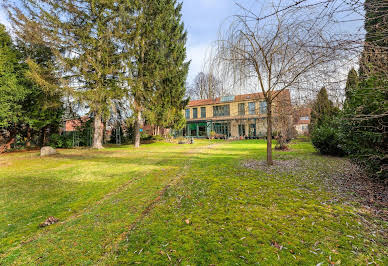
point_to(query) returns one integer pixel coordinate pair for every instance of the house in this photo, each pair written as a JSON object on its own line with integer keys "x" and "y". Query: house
{"x": 73, "y": 124}
{"x": 237, "y": 116}
{"x": 302, "y": 118}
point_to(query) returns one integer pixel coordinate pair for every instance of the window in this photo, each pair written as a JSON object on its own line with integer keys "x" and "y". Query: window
{"x": 263, "y": 107}
{"x": 203, "y": 112}
{"x": 241, "y": 109}
{"x": 252, "y": 130}
{"x": 304, "y": 118}
{"x": 221, "y": 110}
{"x": 195, "y": 112}
{"x": 252, "y": 108}
{"x": 187, "y": 115}
{"x": 241, "y": 130}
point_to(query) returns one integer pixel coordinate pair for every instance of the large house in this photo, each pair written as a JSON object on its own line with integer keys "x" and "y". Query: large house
{"x": 234, "y": 116}
{"x": 302, "y": 117}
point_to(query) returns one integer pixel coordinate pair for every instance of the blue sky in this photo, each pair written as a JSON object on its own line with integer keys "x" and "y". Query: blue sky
{"x": 202, "y": 20}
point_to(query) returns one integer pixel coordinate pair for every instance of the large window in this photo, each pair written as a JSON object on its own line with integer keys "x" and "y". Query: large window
{"x": 252, "y": 130}
{"x": 203, "y": 112}
{"x": 252, "y": 108}
{"x": 221, "y": 110}
{"x": 195, "y": 112}
{"x": 241, "y": 130}
{"x": 187, "y": 114}
{"x": 263, "y": 107}
{"x": 241, "y": 109}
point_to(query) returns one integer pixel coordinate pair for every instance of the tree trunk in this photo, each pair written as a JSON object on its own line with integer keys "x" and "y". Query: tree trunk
{"x": 137, "y": 129}
{"x": 6, "y": 146}
{"x": 269, "y": 133}
{"x": 28, "y": 142}
{"x": 98, "y": 132}
{"x": 43, "y": 141}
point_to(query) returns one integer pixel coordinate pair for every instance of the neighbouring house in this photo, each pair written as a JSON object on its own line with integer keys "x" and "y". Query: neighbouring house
{"x": 302, "y": 117}
{"x": 240, "y": 116}
{"x": 73, "y": 124}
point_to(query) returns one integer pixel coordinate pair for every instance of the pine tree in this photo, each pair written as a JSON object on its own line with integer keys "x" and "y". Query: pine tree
{"x": 43, "y": 106}
{"x": 351, "y": 83}
{"x": 81, "y": 36}
{"x": 321, "y": 109}
{"x": 168, "y": 101}
{"x": 12, "y": 91}
{"x": 154, "y": 53}
{"x": 375, "y": 55}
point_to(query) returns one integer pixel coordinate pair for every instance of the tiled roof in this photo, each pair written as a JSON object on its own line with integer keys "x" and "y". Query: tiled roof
{"x": 237, "y": 98}
{"x": 303, "y": 122}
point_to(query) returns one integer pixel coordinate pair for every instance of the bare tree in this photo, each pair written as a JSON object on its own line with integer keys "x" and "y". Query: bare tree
{"x": 278, "y": 53}
{"x": 205, "y": 86}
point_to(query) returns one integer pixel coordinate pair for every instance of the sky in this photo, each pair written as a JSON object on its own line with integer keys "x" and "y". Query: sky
{"x": 202, "y": 19}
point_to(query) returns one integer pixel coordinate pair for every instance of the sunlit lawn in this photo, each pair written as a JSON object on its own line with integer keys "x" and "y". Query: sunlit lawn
{"x": 180, "y": 204}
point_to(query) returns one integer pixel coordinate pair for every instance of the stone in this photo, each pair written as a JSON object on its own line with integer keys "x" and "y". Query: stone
{"x": 47, "y": 151}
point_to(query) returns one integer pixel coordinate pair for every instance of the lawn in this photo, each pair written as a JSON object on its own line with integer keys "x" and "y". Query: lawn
{"x": 183, "y": 204}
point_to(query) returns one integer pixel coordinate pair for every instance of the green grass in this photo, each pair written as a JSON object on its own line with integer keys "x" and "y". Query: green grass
{"x": 121, "y": 206}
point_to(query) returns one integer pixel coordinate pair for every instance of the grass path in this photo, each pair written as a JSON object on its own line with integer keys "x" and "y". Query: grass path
{"x": 125, "y": 206}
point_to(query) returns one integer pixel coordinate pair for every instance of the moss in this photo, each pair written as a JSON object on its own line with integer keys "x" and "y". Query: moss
{"x": 112, "y": 210}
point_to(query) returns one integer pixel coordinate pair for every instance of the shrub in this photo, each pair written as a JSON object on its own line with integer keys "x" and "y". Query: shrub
{"x": 61, "y": 141}
{"x": 327, "y": 138}
{"x": 158, "y": 138}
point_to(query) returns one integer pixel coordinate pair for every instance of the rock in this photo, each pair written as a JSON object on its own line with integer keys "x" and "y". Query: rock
{"x": 51, "y": 220}
{"x": 47, "y": 151}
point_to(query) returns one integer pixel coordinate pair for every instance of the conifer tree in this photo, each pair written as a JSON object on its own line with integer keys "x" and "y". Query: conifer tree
{"x": 168, "y": 101}
{"x": 351, "y": 82}
{"x": 12, "y": 92}
{"x": 322, "y": 108}
{"x": 80, "y": 34}
{"x": 154, "y": 53}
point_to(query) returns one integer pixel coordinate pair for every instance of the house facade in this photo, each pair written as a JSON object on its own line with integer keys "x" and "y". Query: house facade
{"x": 302, "y": 118}
{"x": 239, "y": 116}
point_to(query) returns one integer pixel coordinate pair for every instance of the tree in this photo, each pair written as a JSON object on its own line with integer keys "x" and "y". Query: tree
{"x": 43, "y": 106}
{"x": 277, "y": 54}
{"x": 205, "y": 86}
{"x": 321, "y": 109}
{"x": 375, "y": 53}
{"x": 351, "y": 82}
{"x": 81, "y": 36}
{"x": 324, "y": 126}
{"x": 12, "y": 90}
{"x": 155, "y": 56}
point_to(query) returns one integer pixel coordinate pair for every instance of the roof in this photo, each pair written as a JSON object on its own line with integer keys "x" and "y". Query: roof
{"x": 303, "y": 122}
{"x": 236, "y": 98}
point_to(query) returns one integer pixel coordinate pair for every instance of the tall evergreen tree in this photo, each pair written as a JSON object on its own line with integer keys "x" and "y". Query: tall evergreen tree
{"x": 170, "y": 51}
{"x": 43, "y": 106}
{"x": 375, "y": 54}
{"x": 321, "y": 109}
{"x": 154, "y": 40}
{"x": 351, "y": 83}
{"x": 12, "y": 91}
{"x": 80, "y": 33}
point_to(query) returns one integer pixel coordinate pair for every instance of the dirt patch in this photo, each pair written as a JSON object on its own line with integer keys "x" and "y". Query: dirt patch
{"x": 278, "y": 165}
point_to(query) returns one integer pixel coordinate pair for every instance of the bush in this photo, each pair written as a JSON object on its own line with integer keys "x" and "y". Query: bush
{"x": 145, "y": 136}
{"x": 158, "y": 138}
{"x": 61, "y": 141}
{"x": 327, "y": 138}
